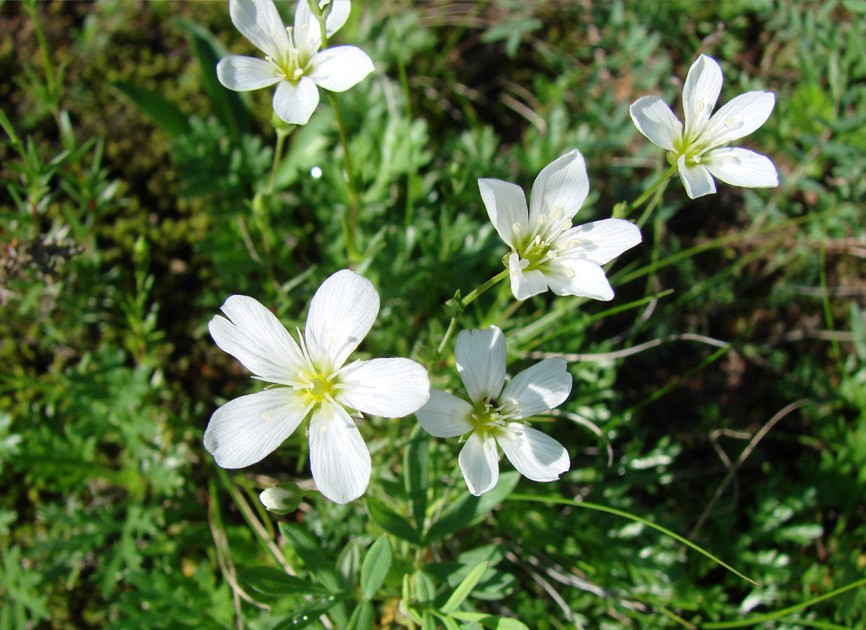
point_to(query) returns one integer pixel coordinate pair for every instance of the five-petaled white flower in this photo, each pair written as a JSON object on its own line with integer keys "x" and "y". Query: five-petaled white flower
{"x": 312, "y": 381}
{"x": 293, "y": 60}
{"x": 697, "y": 149}
{"x": 490, "y": 418}
{"x": 546, "y": 250}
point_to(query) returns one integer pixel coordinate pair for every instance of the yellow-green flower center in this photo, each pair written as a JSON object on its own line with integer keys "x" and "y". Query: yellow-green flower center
{"x": 487, "y": 419}
{"x": 320, "y": 388}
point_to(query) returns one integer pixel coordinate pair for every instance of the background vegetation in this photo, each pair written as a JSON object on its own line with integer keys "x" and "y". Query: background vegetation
{"x": 744, "y": 430}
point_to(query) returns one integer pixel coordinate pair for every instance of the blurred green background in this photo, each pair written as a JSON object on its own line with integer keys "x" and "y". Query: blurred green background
{"x": 124, "y": 227}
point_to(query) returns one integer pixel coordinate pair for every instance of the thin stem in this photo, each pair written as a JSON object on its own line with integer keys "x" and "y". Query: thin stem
{"x": 786, "y": 611}
{"x": 353, "y": 192}
{"x": 471, "y": 297}
{"x": 282, "y": 134}
{"x": 637, "y": 203}
{"x": 638, "y": 519}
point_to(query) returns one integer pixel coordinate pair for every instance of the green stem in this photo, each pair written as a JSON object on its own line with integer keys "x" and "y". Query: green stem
{"x": 751, "y": 621}
{"x": 632, "y": 517}
{"x": 282, "y": 134}
{"x": 471, "y": 297}
{"x": 353, "y": 192}
{"x": 637, "y": 203}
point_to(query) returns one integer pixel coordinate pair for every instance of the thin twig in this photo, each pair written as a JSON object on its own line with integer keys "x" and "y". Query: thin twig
{"x": 742, "y": 458}
{"x": 556, "y": 597}
{"x": 627, "y": 352}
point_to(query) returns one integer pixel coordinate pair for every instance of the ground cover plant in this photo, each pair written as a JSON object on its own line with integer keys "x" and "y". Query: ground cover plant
{"x": 649, "y": 214}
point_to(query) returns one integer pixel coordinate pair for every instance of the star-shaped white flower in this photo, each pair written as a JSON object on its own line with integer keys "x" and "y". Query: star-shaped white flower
{"x": 293, "y": 60}
{"x": 698, "y": 149}
{"x": 491, "y": 416}
{"x": 313, "y": 381}
{"x": 547, "y": 252}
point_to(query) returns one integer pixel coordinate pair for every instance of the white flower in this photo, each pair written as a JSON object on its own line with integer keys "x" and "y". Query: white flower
{"x": 698, "y": 148}
{"x": 490, "y": 416}
{"x": 312, "y": 382}
{"x": 292, "y": 60}
{"x": 547, "y": 252}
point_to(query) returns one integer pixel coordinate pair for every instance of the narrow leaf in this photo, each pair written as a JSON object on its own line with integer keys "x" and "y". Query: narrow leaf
{"x": 468, "y": 508}
{"x": 362, "y": 616}
{"x": 416, "y": 471}
{"x": 375, "y": 567}
{"x": 462, "y": 591}
{"x": 162, "y": 111}
{"x": 392, "y": 522}
{"x": 270, "y": 581}
{"x": 310, "y": 551}
{"x": 309, "y": 613}
{"x": 227, "y": 105}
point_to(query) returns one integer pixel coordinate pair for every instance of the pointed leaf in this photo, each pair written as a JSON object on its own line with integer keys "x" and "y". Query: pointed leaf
{"x": 310, "y": 551}
{"x": 392, "y": 522}
{"x": 462, "y": 591}
{"x": 469, "y": 508}
{"x": 309, "y": 613}
{"x": 362, "y": 616}
{"x": 227, "y": 105}
{"x": 270, "y": 581}
{"x": 162, "y": 111}
{"x": 377, "y": 562}
{"x": 416, "y": 471}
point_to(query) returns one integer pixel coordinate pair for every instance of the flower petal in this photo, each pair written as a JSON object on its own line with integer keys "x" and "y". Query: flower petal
{"x": 655, "y": 120}
{"x": 247, "y": 429}
{"x": 444, "y": 415}
{"x": 599, "y": 241}
{"x": 307, "y": 33}
{"x": 480, "y": 358}
{"x": 575, "y": 276}
{"x": 539, "y": 388}
{"x": 260, "y": 23}
{"x": 339, "y": 457}
{"x": 296, "y": 102}
{"x": 524, "y": 284}
{"x": 700, "y": 92}
{"x": 741, "y": 167}
{"x": 339, "y": 68}
{"x": 341, "y": 314}
{"x": 479, "y": 461}
{"x": 560, "y": 188}
{"x": 696, "y": 179}
{"x": 391, "y": 388}
{"x": 506, "y": 207}
{"x": 536, "y": 455}
{"x": 740, "y": 117}
{"x": 241, "y": 74}
{"x": 257, "y": 339}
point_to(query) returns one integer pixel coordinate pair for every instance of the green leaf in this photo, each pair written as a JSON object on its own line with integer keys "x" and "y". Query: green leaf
{"x": 489, "y": 621}
{"x": 416, "y": 473}
{"x": 450, "y": 624}
{"x": 227, "y": 105}
{"x": 309, "y": 613}
{"x": 162, "y": 111}
{"x": 469, "y": 508}
{"x": 362, "y": 616}
{"x": 462, "y": 591}
{"x": 310, "y": 551}
{"x": 392, "y": 522}
{"x": 270, "y": 581}
{"x": 428, "y": 622}
{"x": 348, "y": 562}
{"x": 425, "y": 590}
{"x": 375, "y": 567}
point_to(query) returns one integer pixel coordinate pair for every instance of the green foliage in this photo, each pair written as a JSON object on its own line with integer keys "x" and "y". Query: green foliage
{"x": 139, "y": 196}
